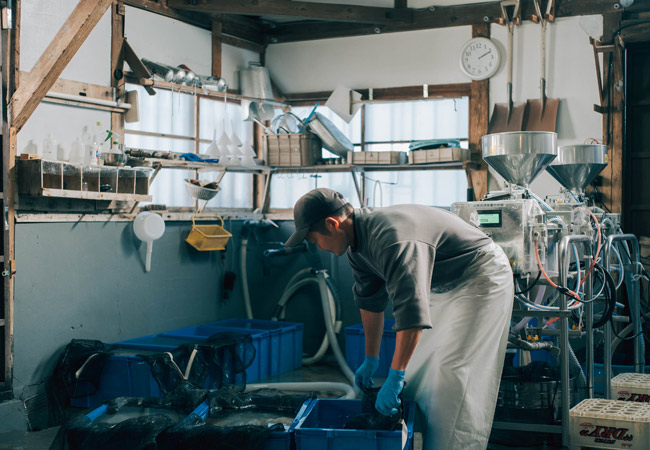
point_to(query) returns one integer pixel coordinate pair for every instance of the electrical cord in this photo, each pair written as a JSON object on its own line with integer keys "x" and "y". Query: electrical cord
{"x": 611, "y": 304}
{"x": 532, "y": 285}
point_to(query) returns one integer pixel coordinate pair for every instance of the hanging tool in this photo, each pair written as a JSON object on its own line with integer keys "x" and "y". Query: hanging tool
{"x": 508, "y": 116}
{"x": 542, "y": 113}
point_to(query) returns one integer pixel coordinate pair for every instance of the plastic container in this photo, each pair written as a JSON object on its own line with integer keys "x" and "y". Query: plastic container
{"x": 285, "y": 337}
{"x": 321, "y": 428}
{"x": 261, "y": 341}
{"x": 355, "y": 347}
{"x": 602, "y": 423}
{"x": 122, "y": 376}
{"x": 208, "y": 237}
{"x": 631, "y": 387}
{"x": 282, "y": 440}
{"x": 599, "y": 375}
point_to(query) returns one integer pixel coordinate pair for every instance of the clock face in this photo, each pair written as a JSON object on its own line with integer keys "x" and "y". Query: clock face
{"x": 479, "y": 58}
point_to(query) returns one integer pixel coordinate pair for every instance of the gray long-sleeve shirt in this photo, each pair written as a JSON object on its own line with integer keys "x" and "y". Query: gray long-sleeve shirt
{"x": 402, "y": 252}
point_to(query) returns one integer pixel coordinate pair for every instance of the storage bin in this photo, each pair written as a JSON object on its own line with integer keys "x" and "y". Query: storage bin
{"x": 321, "y": 428}
{"x": 298, "y": 149}
{"x": 282, "y": 440}
{"x": 631, "y": 387}
{"x": 604, "y": 423}
{"x": 599, "y": 375}
{"x": 261, "y": 341}
{"x": 355, "y": 347}
{"x": 122, "y": 376}
{"x": 208, "y": 237}
{"x": 285, "y": 337}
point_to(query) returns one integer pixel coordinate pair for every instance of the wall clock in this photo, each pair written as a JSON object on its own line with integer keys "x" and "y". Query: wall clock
{"x": 479, "y": 58}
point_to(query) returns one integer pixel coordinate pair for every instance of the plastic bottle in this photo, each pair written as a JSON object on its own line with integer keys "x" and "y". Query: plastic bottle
{"x": 49, "y": 148}
{"x": 31, "y": 148}
{"x": 90, "y": 151}
{"x": 100, "y": 136}
{"x": 77, "y": 152}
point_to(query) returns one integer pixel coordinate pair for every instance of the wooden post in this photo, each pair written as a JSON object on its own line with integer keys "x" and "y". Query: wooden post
{"x": 10, "y": 79}
{"x": 117, "y": 64}
{"x": 613, "y": 98}
{"x": 217, "y": 42}
{"x": 479, "y": 104}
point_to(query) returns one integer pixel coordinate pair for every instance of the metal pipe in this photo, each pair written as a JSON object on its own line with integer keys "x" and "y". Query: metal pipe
{"x": 563, "y": 268}
{"x": 635, "y": 305}
{"x": 589, "y": 322}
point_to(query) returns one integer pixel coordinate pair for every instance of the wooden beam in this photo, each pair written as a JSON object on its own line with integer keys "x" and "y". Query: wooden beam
{"x": 117, "y": 64}
{"x": 479, "y": 104}
{"x": 216, "y": 48}
{"x": 54, "y": 59}
{"x": 136, "y": 65}
{"x": 454, "y": 90}
{"x": 318, "y": 11}
{"x": 428, "y": 18}
{"x": 10, "y": 39}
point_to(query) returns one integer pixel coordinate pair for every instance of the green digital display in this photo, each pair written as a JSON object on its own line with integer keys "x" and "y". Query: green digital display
{"x": 489, "y": 218}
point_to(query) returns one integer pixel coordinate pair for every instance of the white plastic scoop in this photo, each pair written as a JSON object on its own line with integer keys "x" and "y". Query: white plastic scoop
{"x": 148, "y": 227}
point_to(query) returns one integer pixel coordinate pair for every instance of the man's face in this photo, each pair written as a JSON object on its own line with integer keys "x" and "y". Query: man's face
{"x": 334, "y": 242}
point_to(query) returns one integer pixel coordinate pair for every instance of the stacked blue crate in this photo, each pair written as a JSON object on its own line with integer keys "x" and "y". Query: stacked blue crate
{"x": 355, "y": 347}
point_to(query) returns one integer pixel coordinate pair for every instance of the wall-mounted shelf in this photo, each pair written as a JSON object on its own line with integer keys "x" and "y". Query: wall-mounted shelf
{"x": 38, "y": 177}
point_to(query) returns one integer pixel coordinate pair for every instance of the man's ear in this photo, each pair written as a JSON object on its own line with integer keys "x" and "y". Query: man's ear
{"x": 333, "y": 222}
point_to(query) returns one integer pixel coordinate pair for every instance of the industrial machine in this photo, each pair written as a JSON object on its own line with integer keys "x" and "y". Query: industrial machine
{"x": 569, "y": 260}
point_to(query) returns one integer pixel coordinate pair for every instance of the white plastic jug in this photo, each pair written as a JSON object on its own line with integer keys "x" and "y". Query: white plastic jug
{"x": 148, "y": 227}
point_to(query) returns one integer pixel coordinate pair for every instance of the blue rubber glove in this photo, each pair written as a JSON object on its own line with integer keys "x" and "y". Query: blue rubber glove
{"x": 387, "y": 398}
{"x": 363, "y": 375}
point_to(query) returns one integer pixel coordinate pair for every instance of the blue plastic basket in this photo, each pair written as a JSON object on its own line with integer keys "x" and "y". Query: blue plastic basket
{"x": 321, "y": 428}
{"x": 286, "y": 341}
{"x": 281, "y": 440}
{"x": 122, "y": 376}
{"x": 261, "y": 341}
{"x": 355, "y": 347}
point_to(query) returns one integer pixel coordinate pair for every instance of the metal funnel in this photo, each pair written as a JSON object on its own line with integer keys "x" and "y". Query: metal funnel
{"x": 519, "y": 156}
{"x": 577, "y": 165}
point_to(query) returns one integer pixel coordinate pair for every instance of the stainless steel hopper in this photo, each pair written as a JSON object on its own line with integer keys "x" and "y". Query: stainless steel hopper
{"x": 519, "y": 156}
{"x": 577, "y": 165}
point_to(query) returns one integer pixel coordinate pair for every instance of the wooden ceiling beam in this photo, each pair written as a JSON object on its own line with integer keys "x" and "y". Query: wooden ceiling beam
{"x": 34, "y": 85}
{"x": 436, "y": 17}
{"x": 309, "y": 10}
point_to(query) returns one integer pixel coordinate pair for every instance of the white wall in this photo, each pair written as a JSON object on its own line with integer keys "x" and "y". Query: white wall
{"x": 431, "y": 57}
{"x": 152, "y": 36}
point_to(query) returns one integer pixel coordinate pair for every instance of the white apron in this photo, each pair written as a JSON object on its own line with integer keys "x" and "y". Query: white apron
{"x": 455, "y": 372}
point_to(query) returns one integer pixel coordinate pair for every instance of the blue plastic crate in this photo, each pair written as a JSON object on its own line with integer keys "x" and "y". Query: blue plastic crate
{"x": 355, "y": 347}
{"x": 258, "y": 370}
{"x": 321, "y": 428}
{"x": 281, "y": 440}
{"x": 286, "y": 341}
{"x": 122, "y": 376}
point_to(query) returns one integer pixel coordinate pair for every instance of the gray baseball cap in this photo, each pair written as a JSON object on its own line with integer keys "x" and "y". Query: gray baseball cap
{"x": 310, "y": 209}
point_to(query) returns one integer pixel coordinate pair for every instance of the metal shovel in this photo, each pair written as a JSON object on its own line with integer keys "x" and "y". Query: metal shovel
{"x": 542, "y": 113}
{"x": 508, "y": 116}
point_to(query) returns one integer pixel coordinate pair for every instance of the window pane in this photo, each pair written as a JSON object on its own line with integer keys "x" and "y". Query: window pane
{"x": 236, "y": 188}
{"x": 424, "y": 187}
{"x": 212, "y": 121}
{"x": 286, "y": 189}
{"x": 166, "y": 112}
{"x": 417, "y": 120}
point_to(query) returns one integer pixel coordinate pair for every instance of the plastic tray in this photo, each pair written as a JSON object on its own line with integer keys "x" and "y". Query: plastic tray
{"x": 286, "y": 341}
{"x": 631, "y": 387}
{"x": 283, "y": 440}
{"x": 355, "y": 345}
{"x": 321, "y": 428}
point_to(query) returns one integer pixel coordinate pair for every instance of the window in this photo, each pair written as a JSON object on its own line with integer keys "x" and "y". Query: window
{"x": 390, "y": 126}
{"x": 173, "y": 114}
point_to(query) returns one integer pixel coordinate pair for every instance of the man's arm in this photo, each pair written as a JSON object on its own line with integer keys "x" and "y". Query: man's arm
{"x": 405, "y": 344}
{"x": 373, "y": 328}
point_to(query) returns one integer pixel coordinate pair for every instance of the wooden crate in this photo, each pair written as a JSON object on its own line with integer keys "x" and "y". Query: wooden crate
{"x": 377, "y": 158}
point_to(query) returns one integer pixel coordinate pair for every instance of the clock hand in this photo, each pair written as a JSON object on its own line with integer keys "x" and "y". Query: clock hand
{"x": 484, "y": 54}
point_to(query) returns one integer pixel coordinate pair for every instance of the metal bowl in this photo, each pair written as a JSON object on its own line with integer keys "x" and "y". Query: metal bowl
{"x": 114, "y": 159}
